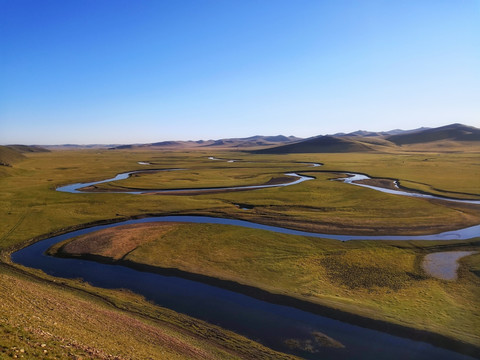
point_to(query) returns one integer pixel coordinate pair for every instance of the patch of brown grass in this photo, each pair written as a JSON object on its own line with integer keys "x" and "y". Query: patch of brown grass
{"x": 116, "y": 242}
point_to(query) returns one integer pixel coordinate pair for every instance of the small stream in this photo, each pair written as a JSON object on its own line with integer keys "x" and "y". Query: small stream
{"x": 353, "y": 178}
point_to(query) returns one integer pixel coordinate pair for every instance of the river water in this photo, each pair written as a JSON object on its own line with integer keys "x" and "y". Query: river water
{"x": 270, "y": 324}
{"x": 352, "y": 178}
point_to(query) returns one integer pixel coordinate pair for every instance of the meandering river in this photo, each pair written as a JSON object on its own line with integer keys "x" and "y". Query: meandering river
{"x": 269, "y": 323}
{"x": 77, "y": 188}
{"x": 351, "y": 178}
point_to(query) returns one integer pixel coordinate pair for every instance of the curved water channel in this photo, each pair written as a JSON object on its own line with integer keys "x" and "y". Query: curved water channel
{"x": 77, "y": 188}
{"x": 271, "y": 324}
{"x": 351, "y": 178}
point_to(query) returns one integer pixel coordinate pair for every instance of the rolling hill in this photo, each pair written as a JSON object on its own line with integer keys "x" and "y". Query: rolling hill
{"x": 320, "y": 144}
{"x": 9, "y": 156}
{"x": 27, "y": 148}
{"x": 453, "y": 132}
{"x": 454, "y": 137}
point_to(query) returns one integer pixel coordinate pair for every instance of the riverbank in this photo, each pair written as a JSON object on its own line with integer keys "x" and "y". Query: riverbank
{"x": 45, "y": 317}
{"x": 435, "y": 339}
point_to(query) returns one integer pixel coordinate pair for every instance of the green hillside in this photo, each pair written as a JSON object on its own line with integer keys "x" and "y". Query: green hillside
{"x": 9, "y": 156}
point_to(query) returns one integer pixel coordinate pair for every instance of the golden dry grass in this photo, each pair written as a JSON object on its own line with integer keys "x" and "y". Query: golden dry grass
{"x": 45, "y": 320}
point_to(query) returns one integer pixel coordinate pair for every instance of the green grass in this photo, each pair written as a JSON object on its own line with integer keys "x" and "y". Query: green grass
{"x": 194, "y": 178}
{"x": 30, "y": 209}
{"x": 432, "y": 172}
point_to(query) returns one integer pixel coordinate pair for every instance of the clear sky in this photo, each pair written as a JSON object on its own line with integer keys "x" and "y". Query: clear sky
{"x": 99, "y": 71}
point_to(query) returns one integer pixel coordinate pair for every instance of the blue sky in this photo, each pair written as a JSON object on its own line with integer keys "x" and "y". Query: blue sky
{"x": 90, "y": 71}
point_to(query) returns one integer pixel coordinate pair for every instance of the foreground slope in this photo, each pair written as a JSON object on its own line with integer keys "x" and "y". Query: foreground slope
{"x": 65, "y": 319}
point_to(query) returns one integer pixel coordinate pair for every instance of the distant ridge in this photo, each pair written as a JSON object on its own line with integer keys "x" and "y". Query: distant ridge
{"x": 400, "y": 131}
{"x": 453, "y": 132}
{"x": 320, "y": 144}
{"x": 252, "y": 141}
{"x": 380, "y": 133}
{"x": 450, "y": 137}
{"x": 454, "y": 137}
{"x": 27, "y": 148}
{"x": 77, "y": 146}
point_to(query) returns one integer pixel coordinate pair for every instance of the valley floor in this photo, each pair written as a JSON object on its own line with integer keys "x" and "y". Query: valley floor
{"x": 44, "y": 317}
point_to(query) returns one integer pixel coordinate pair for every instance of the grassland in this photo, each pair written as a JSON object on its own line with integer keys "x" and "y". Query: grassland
{"x": 424, "y": 172}
{"x": 319, "y": 205}
{"x": 30, "y": 209}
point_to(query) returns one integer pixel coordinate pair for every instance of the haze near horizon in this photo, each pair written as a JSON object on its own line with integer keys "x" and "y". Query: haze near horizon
{"x": 138, "y": 72}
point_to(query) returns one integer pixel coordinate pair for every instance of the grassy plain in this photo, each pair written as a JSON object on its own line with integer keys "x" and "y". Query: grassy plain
{"x": 30, "y": 209}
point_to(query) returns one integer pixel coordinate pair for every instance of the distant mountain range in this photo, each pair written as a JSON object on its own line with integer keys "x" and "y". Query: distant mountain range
{"x": 454, "y": 137}
{"x": 454, "y": 132}
{"x": 381, "y": 133}
{"x": 252, "y": 141}
{"x": 450, "y": 137}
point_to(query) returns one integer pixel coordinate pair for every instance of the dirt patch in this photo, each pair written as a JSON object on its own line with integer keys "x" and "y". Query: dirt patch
{"x": 383, "y": 183}
{"x": 115, "y": 242}
{"x": 280, "y": 180}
